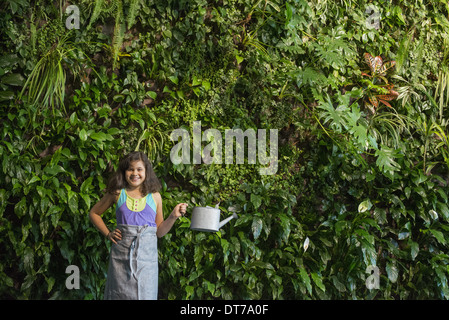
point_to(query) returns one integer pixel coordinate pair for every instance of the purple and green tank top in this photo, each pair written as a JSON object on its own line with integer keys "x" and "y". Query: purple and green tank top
{"x": 136, "y": 212}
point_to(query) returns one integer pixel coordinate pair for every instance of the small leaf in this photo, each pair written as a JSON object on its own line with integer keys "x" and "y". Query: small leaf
{"x": 364, "y": 206}
{"x": 256, "y": 226}
{"x": 206, "y": 85}
{"x": 99, "y": 136}
{"x": 118, "y": 98}
{"x": 50, "y": 282}
{"x": 15, "y": 79}
{"x": 392, "y": 272}
{"x": 407, "y": 191}
{"x": 403, "y": 235}
{"x": 318, "y": 281}
{"x": 28, "y": 259}
{"x": 238, "y": 58}
{"x": 152, "y": 94}
{"x": 340, "y": 286}
{"x": 433, "y": 214}
{"x": 189, "y": 291}
{"x": 438, "y": 235}
{"x": 305, "y": 279}
{"x": 83, "y": 135}
{"x": 195, "y": 81}
{"x": 6, "y": 95}
{"x": 256, "y": 200}
{"x": 174, "y": 79}
{"x": 9, "y": 60}
{"x": 34, "y": 179}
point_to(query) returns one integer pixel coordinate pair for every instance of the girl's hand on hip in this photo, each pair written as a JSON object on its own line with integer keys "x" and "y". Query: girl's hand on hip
{"x": 115, "y": 235}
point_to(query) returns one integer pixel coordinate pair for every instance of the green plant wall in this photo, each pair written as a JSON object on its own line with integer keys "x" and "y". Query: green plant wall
{"x": 355, "y": 186}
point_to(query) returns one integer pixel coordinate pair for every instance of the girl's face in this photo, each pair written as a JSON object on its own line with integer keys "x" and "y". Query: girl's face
{"x": 135, "y": 174}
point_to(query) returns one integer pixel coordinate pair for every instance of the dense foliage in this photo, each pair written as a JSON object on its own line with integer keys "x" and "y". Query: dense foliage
{"x": 360, "y": 182}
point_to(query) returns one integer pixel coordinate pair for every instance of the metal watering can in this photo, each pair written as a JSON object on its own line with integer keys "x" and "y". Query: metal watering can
{"x": 208, "y": 219}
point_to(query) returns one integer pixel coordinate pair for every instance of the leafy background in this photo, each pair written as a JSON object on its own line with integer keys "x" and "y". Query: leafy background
{"x": 354, "y": 188}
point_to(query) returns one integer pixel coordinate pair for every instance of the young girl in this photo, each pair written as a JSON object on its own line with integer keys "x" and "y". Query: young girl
{"x": 133, "y": 262}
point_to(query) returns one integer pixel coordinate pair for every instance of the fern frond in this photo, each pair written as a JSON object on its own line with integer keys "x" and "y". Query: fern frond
{"x": 96, "y": 12}
{"x": 119, "y": 33}
{"x": 134, "y": 7}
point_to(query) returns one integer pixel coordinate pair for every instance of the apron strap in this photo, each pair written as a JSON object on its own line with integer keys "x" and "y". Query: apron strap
{"x": 134, "y": 251}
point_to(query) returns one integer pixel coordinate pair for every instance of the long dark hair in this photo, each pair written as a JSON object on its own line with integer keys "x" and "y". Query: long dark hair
{"x": 117, "y": 181}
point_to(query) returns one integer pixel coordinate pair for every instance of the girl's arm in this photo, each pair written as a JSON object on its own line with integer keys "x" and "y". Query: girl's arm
{"x": 164, "y": 226}
{"x": 98, "y": 209}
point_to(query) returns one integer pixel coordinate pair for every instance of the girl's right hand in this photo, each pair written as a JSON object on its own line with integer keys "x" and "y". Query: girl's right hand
{"x": 115, "y": 235}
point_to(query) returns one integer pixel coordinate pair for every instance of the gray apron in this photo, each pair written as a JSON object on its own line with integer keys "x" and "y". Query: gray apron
{"x": 133, "y": 265}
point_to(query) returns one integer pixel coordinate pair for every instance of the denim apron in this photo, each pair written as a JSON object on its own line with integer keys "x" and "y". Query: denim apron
{"x": 133, "y": 265}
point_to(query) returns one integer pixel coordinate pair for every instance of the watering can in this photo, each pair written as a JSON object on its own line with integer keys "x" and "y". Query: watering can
{"x": 208, "y": 219}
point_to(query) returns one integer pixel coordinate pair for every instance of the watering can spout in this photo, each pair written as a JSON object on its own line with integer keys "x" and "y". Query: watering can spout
{"x": 222, "y": 223}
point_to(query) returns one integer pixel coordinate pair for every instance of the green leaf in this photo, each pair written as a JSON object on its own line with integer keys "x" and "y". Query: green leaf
{"x": 83, "y": 155}
{"x": 101, "y": 136}
{"x": 338, "y": 285}
{"x": 118, "y": 98}
{"x": 256, "y": 200}
{"x": 195, "y": 81}
{"x": 242, "y": 220}
{"x": 442, "y": 207}
{"x": 407, "y": 192}
{"x": 6, "y": 95}
{"x": 256, "y": 226}
{"x": 83, "y": 135}
{"x": 152, "y": 94}
{"x": 206, "y": 85}
{"x": 50, "y": 282}
{"x": 174, "y": 79}
{"x": 20, "y": 207}
{"x": 305, "y": 279}
{"x": 189, "y": 290}
{"x": 385, "y": 159}
{"x": 364, "y": 206}
{"x": 392, "y": 271}
{"x": 86, "y": 199}
{"x": 53, "y": 170}
{"x": 34, "y": 179}
{"x": 285, "y": 225}
{"x": 15, "y": 79}
{"x": 438, "y": 235}
{"x": 28, "y": 259}
{"x": 86, "y": 185}
{"x": 238, "y": 58}
{"x": 9, "y": 60}
{"x": 66, "y": 252}
{"x": 167, "y": 33}
{"x": 318, "y": 281}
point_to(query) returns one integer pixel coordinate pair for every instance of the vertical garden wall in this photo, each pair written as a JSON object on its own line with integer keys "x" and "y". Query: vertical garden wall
{"x": 363, "y": 147}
